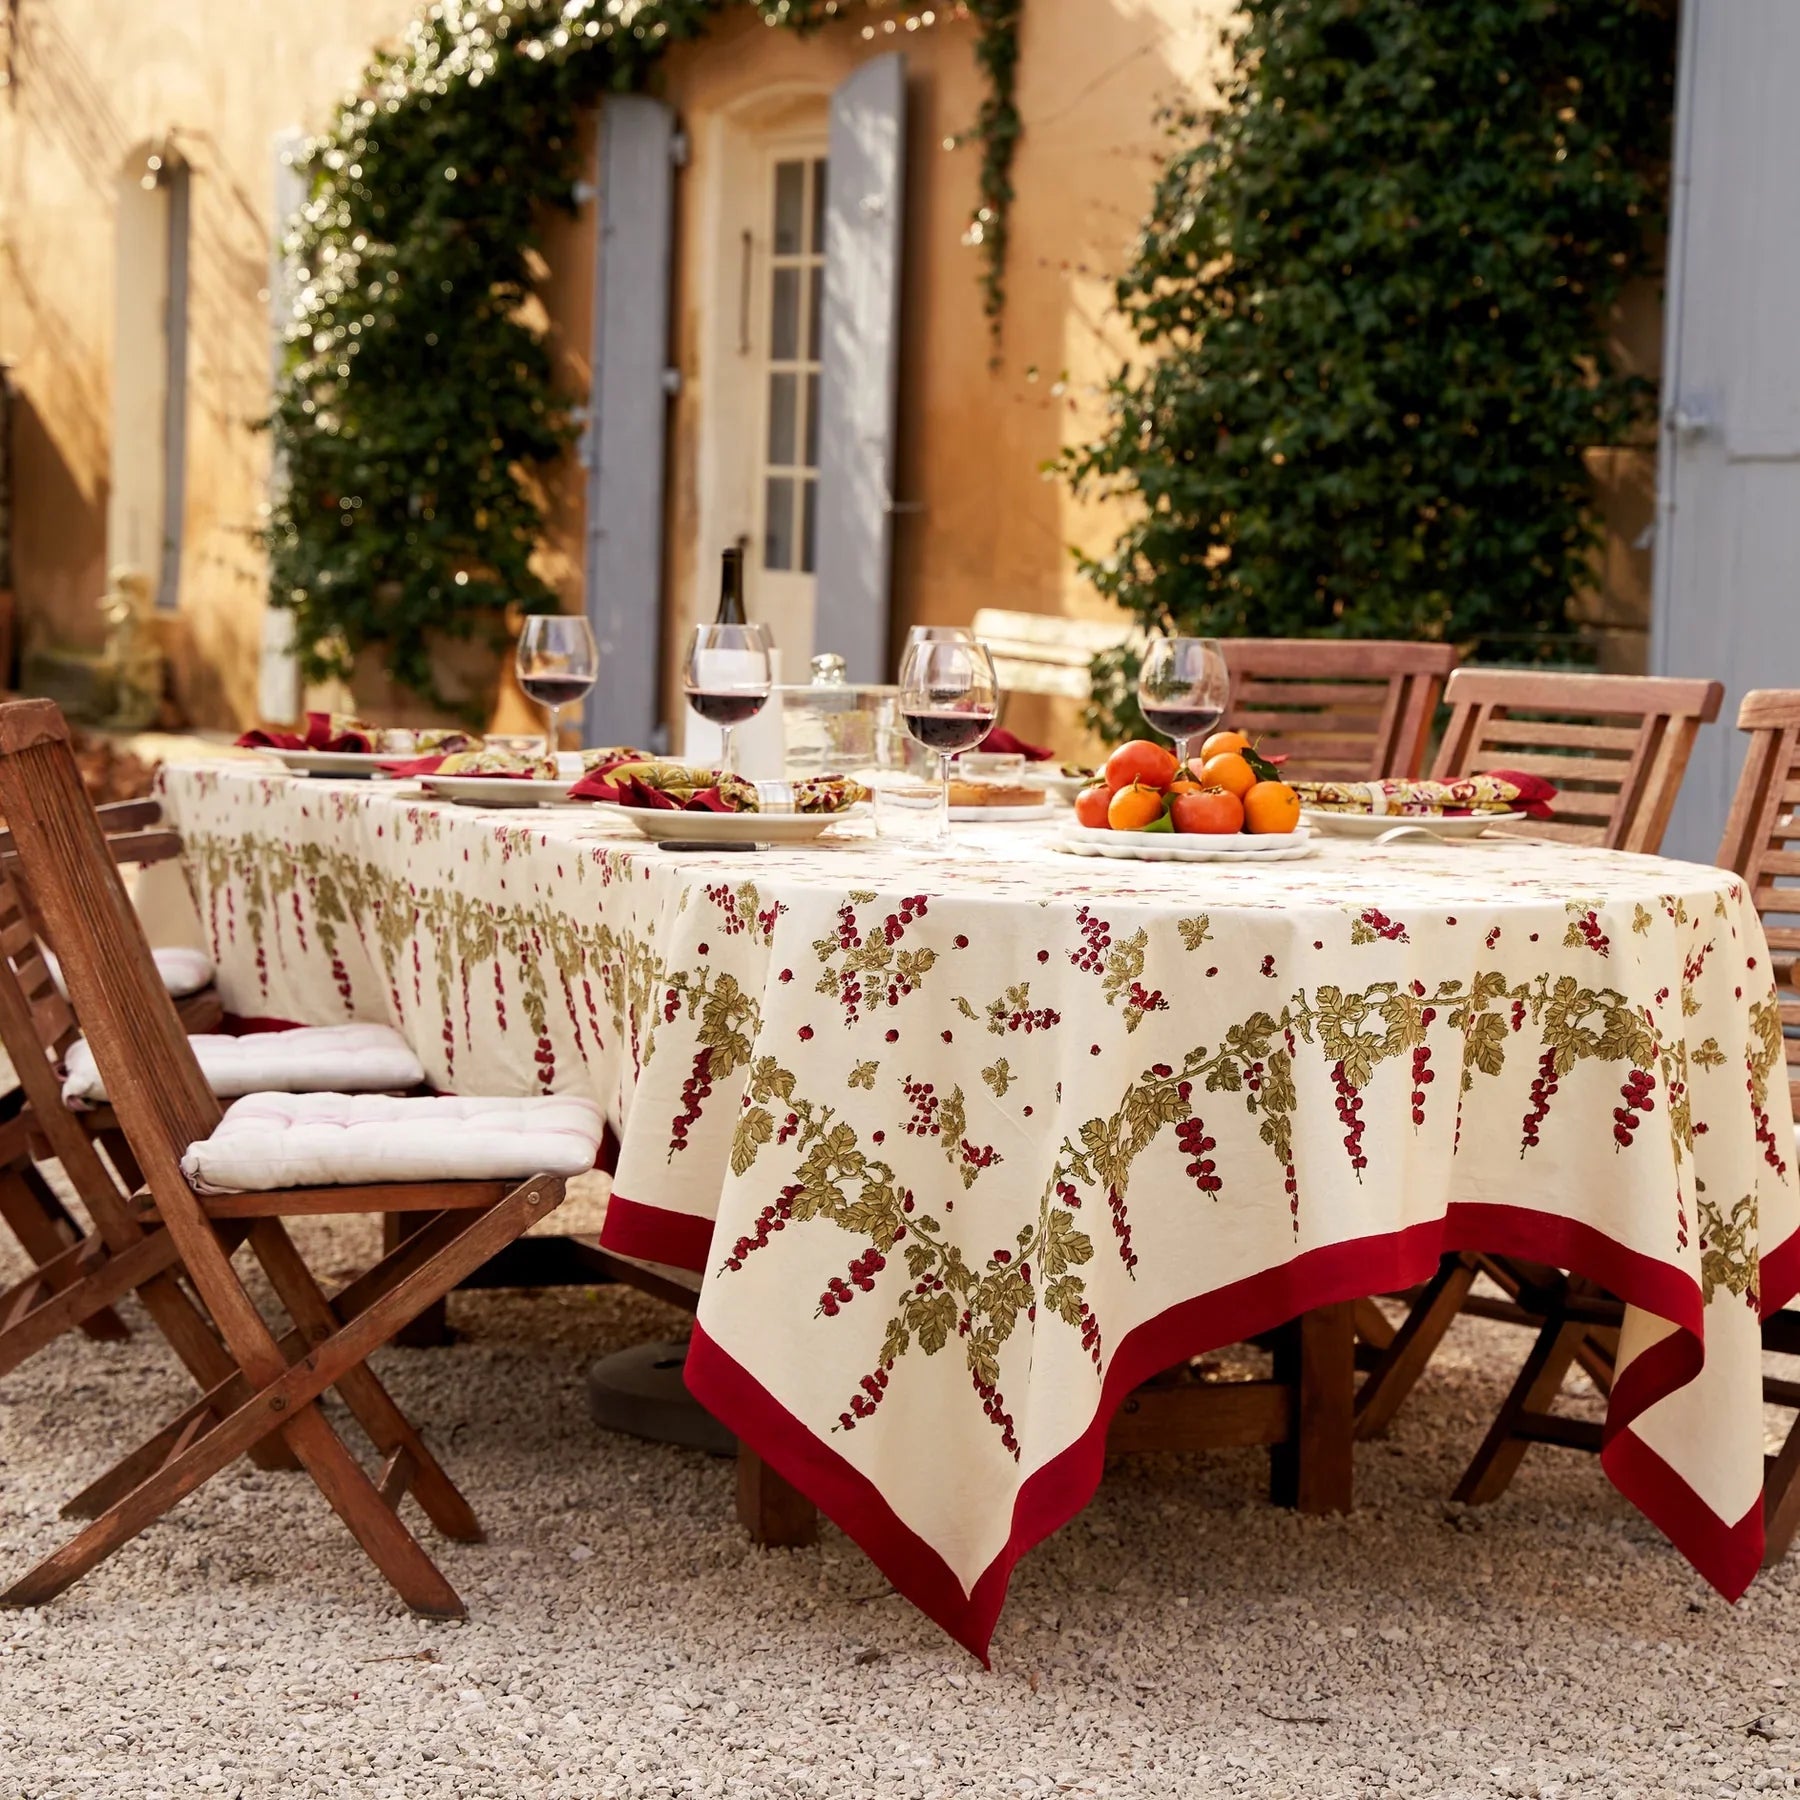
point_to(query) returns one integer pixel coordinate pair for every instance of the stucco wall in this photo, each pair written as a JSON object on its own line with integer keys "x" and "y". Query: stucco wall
{"x": 94, "y": 84}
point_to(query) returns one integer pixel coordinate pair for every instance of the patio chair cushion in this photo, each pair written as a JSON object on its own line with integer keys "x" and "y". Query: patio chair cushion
{"x": 268, "y": 1141}
{"x": 311, "y": 1059}
{"x": 183, "y": 971}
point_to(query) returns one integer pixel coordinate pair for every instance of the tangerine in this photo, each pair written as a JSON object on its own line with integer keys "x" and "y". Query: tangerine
{"x": 1271, "y": 806}
{"x": 1223, "y": 742}
{"x": 1135, "y": 806}
{"x": 1229, "y": 771}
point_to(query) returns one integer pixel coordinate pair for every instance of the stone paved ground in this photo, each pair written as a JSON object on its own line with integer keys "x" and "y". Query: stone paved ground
{"x": 1179, "y": 1639}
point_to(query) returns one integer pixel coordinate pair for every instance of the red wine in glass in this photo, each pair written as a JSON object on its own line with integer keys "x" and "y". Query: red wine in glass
{"x": 948, "y": 732}
{"x": 555, "y": 690}
{"x": 726, "y": 706}
{"x": 1181, "y": 723}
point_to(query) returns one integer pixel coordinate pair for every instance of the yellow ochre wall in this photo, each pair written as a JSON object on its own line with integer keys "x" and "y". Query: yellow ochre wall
{"x": 97, "y": 82}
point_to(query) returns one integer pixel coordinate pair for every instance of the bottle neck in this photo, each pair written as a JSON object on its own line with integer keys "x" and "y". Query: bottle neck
{"x": 731, "y": 588}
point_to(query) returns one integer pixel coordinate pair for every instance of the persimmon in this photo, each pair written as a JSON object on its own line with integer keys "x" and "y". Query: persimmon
{"x": 1134, "y": 807}
{"x": 1211, "y": 811}
{"x": 1148, "y": 764}
{"x": 1091, "y": 804}
{"x": 1271, "y": 806}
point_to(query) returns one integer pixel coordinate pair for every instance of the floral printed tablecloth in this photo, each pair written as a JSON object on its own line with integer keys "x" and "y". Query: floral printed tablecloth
{"x": 967, "y": 1146}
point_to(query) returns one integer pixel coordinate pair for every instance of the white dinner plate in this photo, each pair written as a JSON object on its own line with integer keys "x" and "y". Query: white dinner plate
{"x": 1001, "y": 815}
{"x": 1175, "y": 846}
{"x": 496, "y": 790}
{"x": 727, "y": 828}
{"x": 1054, "y": 782}
{"x": 1372, "y": 825}
{"x": 355, "y": 763}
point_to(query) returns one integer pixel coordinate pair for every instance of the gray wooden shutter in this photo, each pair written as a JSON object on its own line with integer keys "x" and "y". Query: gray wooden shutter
{"x": 278, "y": 670}
{"x": 865, "y": 185}
{"x": 1726, "y": 598}
{"x": 627, "y": 417}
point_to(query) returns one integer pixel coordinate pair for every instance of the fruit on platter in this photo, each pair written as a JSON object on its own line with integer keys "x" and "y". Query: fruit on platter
{"x": 1228, "y": 770}
{"x": 1147, "y": 764}
{"x": 1091, "y": 804}
{"x": 1212, "y": 811}
{"x": 1231, "y": 787}
{"x": 1271, "y": 806}
{"x": 1134, "y": 808}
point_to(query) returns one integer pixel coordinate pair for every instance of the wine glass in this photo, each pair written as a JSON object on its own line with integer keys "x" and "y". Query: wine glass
{"x": 948, "y": 698}
{"x": 1183, "y": 687}
{"x": 558, "y": 660}
{"x": 728, "y": 677}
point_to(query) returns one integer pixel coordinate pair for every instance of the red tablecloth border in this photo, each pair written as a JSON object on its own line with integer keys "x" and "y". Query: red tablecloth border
{"x": 1726, "y": 1553}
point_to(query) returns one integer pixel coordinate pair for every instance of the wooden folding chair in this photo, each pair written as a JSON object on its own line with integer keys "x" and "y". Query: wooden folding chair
{"x": 163, "y": 1105}
{"x": 1339, "y": 709}
{"x": 1578, "y": 1320}
{"x": 45, "y": 1229}
{"x": 1617, "y": 747}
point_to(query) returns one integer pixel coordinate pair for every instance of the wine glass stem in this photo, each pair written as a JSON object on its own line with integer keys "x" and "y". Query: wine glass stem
{"x": 725, "y": 736}
{"x": 943, "y": 819}
{"x": 1181, "y": 750}
{"x": 551, "y": 739}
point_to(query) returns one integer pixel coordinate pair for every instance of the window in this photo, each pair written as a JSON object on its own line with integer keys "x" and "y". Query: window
{"x": 796, "y": 295}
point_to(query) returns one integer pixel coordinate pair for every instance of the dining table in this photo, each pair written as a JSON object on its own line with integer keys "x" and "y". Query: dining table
{"x": 966, "y": 1143}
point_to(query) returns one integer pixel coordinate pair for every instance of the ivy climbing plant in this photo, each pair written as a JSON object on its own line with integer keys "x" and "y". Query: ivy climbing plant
{"x": 1375, "y": 291}
{"x": 415, "y": 415}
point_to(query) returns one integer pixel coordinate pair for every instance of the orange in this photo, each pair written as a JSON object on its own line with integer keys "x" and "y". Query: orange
{"x": 1221, "y": 742}
{"x": 1271, "y": 806}
{"x": 1229, "y": 771}
{"x": 1134, "y": 807}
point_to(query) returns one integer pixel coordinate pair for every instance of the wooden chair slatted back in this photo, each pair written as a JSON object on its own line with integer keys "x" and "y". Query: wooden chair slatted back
{"x": 1616, "y": 746}
{"x": 155, "y": 1084}
{"x": 1339, "y": 709}
{"x": 1762, "y": 844}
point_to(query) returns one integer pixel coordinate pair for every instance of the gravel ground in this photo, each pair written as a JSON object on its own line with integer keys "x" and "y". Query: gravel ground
{"x": 1180, "y": 1638}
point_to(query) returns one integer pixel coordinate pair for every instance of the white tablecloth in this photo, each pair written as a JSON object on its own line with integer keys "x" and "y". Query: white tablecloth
{"x": 966, "y": 1146}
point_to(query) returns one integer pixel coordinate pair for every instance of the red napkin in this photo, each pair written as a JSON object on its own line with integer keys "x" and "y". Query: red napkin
{"x": 632, "y": 792}
{"x": 318, "y": 736}
{"x": 1001, "y": 742}
{"x": 1535, "y": 793}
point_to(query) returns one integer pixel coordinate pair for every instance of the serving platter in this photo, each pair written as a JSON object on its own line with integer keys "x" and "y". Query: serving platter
{"x": 1185, "y": 847}
{"x": 497, "y": 790}
{"x": 1373, "y": 825}
{"x": 726, "y": 828}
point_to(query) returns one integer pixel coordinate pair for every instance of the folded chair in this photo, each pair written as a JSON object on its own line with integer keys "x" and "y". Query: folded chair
{"x": 1762, "y": 844}
{"x": 1616, "y": 746}
{"x": 177, "y": 1134}
{"x": 77, "y": 1273}
{"x": 43, "y": 1226}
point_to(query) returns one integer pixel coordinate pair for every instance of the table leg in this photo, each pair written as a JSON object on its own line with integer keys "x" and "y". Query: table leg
{"x": 1315, "y": 1357}
{"x": 432, "y": 1326}
{"x": 777, "y": 1516}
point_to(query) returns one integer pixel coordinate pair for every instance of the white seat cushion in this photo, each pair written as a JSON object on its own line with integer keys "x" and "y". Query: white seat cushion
{"x": 183, "y": 971}
{"x": 339, "y": 1140}
{"x": 311, "y": 1059}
